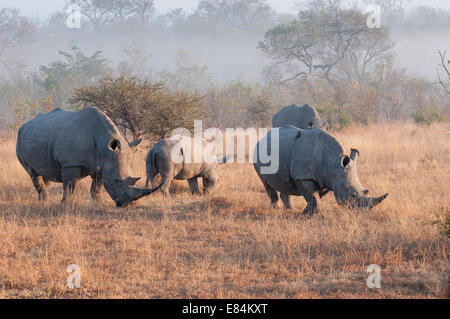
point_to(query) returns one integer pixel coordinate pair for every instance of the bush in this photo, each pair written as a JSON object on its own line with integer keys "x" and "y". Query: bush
{"x": 444, "y": 225}
{"x": 338, "y": 118}
{"x": 139, "y": 107}
{"x": 428, "y": 116}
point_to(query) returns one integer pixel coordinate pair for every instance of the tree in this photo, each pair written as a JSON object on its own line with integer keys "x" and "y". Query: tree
{"x": 365, "y": 51}
{"x": 240, "y": 105}
{"x": 98, "y": 12}
{"x": 261, "y": 110}
{"x": 139, "y": 107}
{"x": 101, "y": 12}
{"x": 240, "y": 14}
{"x": 391, "y": 7}
{"x": 444, "y": 83}
{"x": 322, "y": 37}
{"x": 137, "y": 62}
{"x": 142, "y": 9}
{"x": 188, "y": 75}
{"x": 78, "y": 69}
{"x": 14, "y": 30}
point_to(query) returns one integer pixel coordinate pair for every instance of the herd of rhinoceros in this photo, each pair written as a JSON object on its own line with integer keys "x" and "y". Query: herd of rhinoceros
{"x": 63, "y": 146}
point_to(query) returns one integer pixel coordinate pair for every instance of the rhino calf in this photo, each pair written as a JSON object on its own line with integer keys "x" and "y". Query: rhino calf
{"x": 187, "y": 166}
{"x": 64, "y": 147}
{"x": 303, "y": 117}
{"x": 311, "y": 163}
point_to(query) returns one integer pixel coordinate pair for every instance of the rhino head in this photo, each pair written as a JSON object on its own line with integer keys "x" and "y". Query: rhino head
{"x": 116, "y": 174}
{"x": 347, "y": 189}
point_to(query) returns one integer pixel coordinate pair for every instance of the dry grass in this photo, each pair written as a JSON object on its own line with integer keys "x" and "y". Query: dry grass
{"x": 230, "y": 244}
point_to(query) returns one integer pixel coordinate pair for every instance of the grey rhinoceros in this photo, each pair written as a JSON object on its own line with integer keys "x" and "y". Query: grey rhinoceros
{"x": 64, "y": 147}
{"x": 311, "y": 163}
{"x": 303, "y": 117}
{"x": 183, "y": 158}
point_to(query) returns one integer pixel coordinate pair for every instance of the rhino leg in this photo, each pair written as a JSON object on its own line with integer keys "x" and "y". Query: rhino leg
{"x": 322, "y": 193}
{"x": 68, "y": 190}
{"x": 96, "y": 186}
{"x": 286, "y": 200}
{"x": 150, "y": 182}
{"x": 309, "y": 192}
{"x": 193, "y": 186}
{"x": 208, "y": 184}
{"x": 70, "y": 176}
{"x": 166, "y": 181}
{"x": 273, "y": 195}
{"x": 313, "y": 205}
{"x": 40, "y": 185}
{"x": 151, "y": 174}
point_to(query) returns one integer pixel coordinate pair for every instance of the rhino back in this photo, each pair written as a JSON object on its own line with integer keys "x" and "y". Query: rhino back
{"x": 298, "y": 116}
{"x": 63, "y": 138}
{"x": 164, "y": 151}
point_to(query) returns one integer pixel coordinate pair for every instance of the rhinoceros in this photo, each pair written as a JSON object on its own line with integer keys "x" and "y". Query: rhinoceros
{"x": 303, "y": 117}
{"x": 64, "y": 147}
{"x": 311, "y": 163}
{"x": 183, "y": 158}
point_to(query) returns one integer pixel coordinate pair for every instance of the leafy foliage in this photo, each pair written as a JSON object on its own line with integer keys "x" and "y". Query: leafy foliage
{"x": 14, "y": 29}
{"x": 242, "y": 15}
{"x": 320, "y": 39}
{"x": 77, "y": 70}
{"x": 444, "y": 224}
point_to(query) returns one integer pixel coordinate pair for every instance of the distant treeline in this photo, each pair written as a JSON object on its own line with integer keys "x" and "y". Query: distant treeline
{"x": 326, "y": 56}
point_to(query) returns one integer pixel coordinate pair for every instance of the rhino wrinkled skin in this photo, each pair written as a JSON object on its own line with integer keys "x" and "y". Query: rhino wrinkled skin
{"x": 64, "y": 147}
{"x": 303, "y": 117}
{"x": 160, "y": 159}
{"x": 312, "y": 163}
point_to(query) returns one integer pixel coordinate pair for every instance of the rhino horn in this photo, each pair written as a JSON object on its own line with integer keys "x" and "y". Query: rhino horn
{"x": 137, "y": 193}
{"x": 131, "y": 181}
{"x": 370, "y": 202}
{"x": 223, "y": 160}
{"x": 375, "y": 201}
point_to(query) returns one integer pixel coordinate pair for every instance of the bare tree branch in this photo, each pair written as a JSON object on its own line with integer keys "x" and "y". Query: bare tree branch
{"x": 443, "y": 65}
{"x": 14, "y": 29}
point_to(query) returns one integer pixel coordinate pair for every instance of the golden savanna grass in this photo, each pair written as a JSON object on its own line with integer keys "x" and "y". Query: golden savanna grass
{"x": 231, "y": 244}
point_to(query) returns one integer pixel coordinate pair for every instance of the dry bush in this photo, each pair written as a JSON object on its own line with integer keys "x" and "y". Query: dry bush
{"x": 140, "y": 107}
{"x": 230, "y": 243}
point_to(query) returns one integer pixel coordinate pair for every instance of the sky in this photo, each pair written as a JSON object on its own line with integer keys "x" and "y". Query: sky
{"x": 43, "y": 8}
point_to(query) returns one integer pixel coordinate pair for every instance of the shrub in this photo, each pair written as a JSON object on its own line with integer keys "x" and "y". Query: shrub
{"x": 139, "y": 107}
{"x": 428, "y": 115}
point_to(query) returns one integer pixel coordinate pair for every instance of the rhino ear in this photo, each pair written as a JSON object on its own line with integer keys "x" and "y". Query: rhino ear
{"x": 223, "y": 160}
{"x": 354, "y": 155}
{"x": 211, "y": 138}
{"x": 131, "y": 181}
{"x": 114, "y": 145}
{"x": 135, "y": 143}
